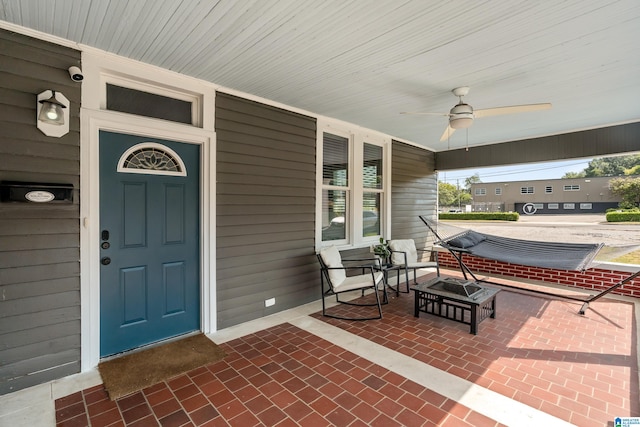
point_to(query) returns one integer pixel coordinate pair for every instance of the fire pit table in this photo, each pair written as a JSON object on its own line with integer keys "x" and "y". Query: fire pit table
{"x": 456, "y": 299}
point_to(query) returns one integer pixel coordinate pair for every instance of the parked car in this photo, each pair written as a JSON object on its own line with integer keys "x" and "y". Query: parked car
{"x": 369, "y": 219}
{"x": 336, "y": 229}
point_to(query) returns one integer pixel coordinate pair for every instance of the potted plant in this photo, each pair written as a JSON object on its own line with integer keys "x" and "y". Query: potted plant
{"x": 382, "y": 250}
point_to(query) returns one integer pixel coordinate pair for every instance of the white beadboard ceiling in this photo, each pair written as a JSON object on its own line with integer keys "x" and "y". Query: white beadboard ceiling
{"x": 365, "y": 61}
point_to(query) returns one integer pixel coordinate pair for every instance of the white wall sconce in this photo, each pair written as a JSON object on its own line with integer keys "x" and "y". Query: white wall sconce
{"x": 53, "y": 113}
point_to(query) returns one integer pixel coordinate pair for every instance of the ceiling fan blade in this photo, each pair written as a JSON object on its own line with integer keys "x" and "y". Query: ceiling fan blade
{"x": 424, "y": 113}
{"x": 447, "y": 133}
{"x": 488, "y": 112}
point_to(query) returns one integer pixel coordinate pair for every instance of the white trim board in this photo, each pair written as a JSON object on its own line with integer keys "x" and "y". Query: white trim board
{"x": 92, "y": 123}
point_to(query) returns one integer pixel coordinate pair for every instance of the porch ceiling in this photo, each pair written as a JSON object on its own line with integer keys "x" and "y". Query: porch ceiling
{"x": 366, "y": 61}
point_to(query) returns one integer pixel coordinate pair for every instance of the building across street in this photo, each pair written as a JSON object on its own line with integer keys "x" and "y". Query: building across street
{"x": 545, "y": 196}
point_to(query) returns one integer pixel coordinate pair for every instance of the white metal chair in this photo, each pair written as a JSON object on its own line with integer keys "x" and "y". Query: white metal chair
{"x": 404, "y": 256}
{"x": 335, "y": 275}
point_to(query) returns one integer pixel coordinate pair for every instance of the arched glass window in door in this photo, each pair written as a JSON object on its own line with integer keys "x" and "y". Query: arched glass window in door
{"x": 151, "y": 158}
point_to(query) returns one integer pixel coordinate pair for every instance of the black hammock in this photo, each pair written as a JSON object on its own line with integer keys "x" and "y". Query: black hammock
{"x": 559, "y": 256}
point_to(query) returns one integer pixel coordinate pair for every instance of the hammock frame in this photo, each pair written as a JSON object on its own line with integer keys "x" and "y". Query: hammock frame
{"x": 458, "y": 253}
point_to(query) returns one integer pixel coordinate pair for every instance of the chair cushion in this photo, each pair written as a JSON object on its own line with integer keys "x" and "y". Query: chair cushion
{"x": 358, "y": 282}
{"x": 331, "y": 257}
{"x": 403, "y": 245}
{"x": 425, "y": 264}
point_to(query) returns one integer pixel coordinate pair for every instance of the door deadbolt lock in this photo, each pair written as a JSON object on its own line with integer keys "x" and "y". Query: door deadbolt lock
{"x": 105, "y": 245}
{"x": 105, "y": 261}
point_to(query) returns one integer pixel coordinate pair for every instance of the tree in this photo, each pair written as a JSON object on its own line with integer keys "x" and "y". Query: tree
{"x": 451, "y": 195}
{"x": 628, "y": 188}
{"x": 447, "y": 194}
{"x": 611, "y": 166}
{"x": 465, "y": 197}
{"x": 473, "y": 179}
{"x": 573, "y": 175}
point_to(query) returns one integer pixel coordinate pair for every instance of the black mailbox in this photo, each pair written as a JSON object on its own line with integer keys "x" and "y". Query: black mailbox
{"x": 31, "y": 192}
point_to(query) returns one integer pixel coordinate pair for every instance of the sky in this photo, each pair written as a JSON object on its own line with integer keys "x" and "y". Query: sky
{"x": 523, "y": 172}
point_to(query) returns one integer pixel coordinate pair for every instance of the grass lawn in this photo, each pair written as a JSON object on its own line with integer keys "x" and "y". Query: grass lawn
{"x": 630, "y": 258}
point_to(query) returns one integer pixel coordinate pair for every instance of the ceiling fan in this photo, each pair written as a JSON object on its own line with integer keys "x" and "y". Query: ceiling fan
{"x": 461, "y": 116}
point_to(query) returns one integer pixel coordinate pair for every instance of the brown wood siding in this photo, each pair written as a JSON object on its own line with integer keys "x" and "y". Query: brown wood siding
{"x": 265, "y": 209}
{"x": 414, "y": 191}
{"x": 39, "y": 243}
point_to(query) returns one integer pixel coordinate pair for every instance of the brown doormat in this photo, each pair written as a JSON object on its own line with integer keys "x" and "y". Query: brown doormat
{"x": 128, "y": 374}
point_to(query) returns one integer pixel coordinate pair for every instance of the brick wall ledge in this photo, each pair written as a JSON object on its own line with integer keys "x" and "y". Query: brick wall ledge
{"x": 596, "y": 279}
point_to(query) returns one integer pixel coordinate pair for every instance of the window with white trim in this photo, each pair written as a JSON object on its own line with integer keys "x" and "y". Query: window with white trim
{"x": 353, "y": 188}
{"x": 336, "y": 188}
{"x": 553, "y": 206}
{"x": 480, "y": 192}
{"x": 548, "y": 189}
{"x": 372, "y": 189}
{"x": 574, "y": 187}
{"x": 146, "y": 99}
{"x": 498, "y": 191}
{"x": 568, "y": 206}
{"x": 587, "y": 206}
{"x": 526, "y": 190}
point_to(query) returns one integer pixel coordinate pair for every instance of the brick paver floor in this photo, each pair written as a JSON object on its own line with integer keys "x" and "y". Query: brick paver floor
{"x": 282, "y": 376}
{"x": 538, "y": 351}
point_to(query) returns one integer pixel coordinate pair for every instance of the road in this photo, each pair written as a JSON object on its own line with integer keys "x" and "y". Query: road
{"x": 587, "y": 228}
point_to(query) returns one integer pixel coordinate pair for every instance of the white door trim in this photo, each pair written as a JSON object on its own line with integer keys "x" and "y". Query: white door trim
{"x": 92, "y": 121}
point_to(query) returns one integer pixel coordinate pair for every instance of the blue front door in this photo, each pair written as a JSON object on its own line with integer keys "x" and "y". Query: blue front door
{"x": 149, "y": 240}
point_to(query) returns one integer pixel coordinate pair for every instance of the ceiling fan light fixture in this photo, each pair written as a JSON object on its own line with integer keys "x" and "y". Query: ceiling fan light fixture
{"x": 461, "y": 116}
{"x": 460, "y": 122}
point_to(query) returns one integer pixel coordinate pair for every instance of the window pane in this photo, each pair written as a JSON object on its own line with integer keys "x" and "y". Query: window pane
{"x": 334, "y": 215}
{"x": 335, "y": 160}
{"x": 370, "y": 214}
{"x": 372, "y": 167}
{"x": 148, "y": 104}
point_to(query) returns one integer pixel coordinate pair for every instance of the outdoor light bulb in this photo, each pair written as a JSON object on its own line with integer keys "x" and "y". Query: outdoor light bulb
{"x": 51, "y": 111}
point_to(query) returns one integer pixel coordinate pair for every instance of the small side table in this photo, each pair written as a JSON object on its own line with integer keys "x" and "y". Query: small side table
{"x": 433, "y": 297}
{"x": 385, "y": 268}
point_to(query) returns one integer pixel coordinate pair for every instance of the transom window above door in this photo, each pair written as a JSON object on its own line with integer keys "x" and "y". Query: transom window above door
{"x": 144, "y": 98}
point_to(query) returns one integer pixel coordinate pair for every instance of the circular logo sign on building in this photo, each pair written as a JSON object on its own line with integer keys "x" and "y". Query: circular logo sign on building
{"x": 529, "y": 209}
